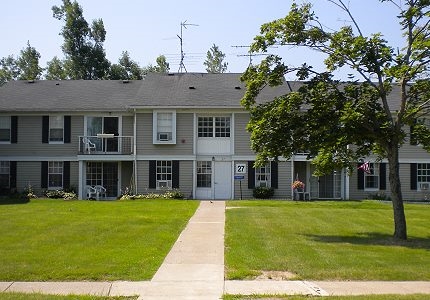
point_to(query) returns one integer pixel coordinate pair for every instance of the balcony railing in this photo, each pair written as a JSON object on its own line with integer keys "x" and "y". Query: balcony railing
{"x": 105, "y": 144}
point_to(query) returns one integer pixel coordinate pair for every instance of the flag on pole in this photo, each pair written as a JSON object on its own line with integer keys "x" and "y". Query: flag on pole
{"x": 365, "y": 167}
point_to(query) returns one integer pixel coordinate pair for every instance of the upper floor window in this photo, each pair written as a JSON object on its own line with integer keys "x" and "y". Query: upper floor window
{"x": 164, "y": 174}
{"x": 5, "y": 129}
{"x": 262, "y": 176}
{"x": 213, "y": 127}
{"x": 56, "y": 129}
{"x": 164, "y": 124}
{"x": 371, "y": 177}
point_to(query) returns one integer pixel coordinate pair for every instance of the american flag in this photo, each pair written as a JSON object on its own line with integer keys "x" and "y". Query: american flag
{"x": 365, "y": 167}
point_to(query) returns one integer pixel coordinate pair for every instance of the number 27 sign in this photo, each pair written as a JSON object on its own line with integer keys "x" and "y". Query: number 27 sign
{"x": 240, "y": 169}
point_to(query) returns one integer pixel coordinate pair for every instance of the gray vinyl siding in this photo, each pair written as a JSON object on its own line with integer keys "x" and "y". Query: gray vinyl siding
{"x": 126, "y": 174}
{"x": 30, "y": 139}
{"x": 242, "y": 144}
{"x": 28, "y": 173}
{"x": 184, "y": 136}
{"x": 185, "y": 177}
{"x": 127, "y": 125}
{"x": 74, "y": 176}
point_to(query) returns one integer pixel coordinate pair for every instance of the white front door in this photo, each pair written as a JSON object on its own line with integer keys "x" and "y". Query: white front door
{"x": 222, "y": 180}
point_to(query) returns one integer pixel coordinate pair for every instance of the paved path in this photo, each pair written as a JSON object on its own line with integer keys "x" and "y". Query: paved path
{"x": 194, "y": 270}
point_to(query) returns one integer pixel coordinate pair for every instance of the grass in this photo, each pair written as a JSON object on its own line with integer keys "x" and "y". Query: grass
{"x": 365, "y": 297}
{"x": 325, "y": 240}
{"x": 36, "y": 296}
{"x": 60, "y": 240}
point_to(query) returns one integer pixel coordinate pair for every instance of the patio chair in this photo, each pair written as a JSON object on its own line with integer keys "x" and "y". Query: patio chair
{"x": 88, "y": 145}
{"x": 100, "y": 191}
{"x": 91, "y": 192}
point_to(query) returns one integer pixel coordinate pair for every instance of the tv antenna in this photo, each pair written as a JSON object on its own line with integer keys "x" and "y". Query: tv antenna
{"x": 250, "y": 54}
{"x": 184, "y": 24}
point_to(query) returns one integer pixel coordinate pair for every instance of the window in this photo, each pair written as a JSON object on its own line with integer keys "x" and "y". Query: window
{"x": 4, "y": 129}
{"x": 56, "y": 124}
{"x": 371, "y": 179}
{"x": 423, "y": 176}
{"x": 4, "y": 174}
{"x": 55, "y": 175}
{"x": 164, "y": 174}
{"x": 262, "y": 176}
{"x": 213, "y": 127}
{"x": 164, "y": 123}
{"x": 204, "y": 174}
{"x": 94, "y": 173}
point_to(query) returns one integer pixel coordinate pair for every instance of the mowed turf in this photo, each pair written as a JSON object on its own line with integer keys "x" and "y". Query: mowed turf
{"x": 55, "y": 240}
{"x": 326, "y": 240}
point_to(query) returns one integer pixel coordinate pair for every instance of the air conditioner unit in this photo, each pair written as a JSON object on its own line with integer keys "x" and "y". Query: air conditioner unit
{"x": 424, "y": 186}
{"x": 164, "y": 136}
{"x": 163, "y": 184}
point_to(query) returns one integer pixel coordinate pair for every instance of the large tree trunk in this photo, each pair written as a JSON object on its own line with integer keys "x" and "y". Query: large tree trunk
{"x": 400, "y": 231}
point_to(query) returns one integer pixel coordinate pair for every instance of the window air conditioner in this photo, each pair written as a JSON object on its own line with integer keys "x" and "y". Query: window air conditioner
{"x": 163, "y": 184}
{"x": 424, "y": 186}
{"x": 163, "y": 136}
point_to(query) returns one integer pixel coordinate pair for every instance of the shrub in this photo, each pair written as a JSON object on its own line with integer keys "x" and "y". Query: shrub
{"x": 60, "y": 194}
{"x": 263, "y": 192}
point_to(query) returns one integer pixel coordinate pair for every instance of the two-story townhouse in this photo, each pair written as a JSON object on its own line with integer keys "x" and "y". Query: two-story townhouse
{"x": 184, "y": 131}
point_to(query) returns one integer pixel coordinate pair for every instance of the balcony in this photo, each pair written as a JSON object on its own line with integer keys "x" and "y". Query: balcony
{"x": 105, "y": 144}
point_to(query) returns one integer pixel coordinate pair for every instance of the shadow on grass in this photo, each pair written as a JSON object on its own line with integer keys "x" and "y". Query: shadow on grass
{"x": 372, "y": 238}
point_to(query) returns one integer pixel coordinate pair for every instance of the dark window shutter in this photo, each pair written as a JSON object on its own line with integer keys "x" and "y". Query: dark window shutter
{"x": 152, "y": 180}
{"x": 175, "y": 174}
{"x": 382, "y": 176}
{"x": 45, "y": 129}
{"x": 414, "y": 178}
{"x": 66, "y": 175}
{"x": 44, "y": 175}
{"x": 274, "y": 174}
{"x": 12, "y": 174}
{"x": 67, "y": 129}
{"x": 360, "y": 178}
{"x": 251, "y": 175}
{"x": 14, "y": 129}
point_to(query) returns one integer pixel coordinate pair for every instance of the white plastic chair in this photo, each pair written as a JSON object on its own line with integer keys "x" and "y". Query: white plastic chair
{"x": 100, "y": 191}
{"x": 91, "y": 192}
{"x": 88, "y": 145}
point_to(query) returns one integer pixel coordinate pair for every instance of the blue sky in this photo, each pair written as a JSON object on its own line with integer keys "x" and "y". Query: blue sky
{"x": 147, "y": 29}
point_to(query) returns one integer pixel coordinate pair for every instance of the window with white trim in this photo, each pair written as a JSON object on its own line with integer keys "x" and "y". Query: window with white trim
{"x": 4, "y": 174}
{"x": 371, "y": 178}
{"x": 213, "y": 126}
{"x": 262, "y": 176}
{"x": 5, "y": 129}
{"x": 423, "y": 176}
{"x": 56, "y": 128}
{"x": 164, "y": 174}
{"x": 164, "y": 124}
{"x": 204, "y": 174}
{"x": 55, "y": 175}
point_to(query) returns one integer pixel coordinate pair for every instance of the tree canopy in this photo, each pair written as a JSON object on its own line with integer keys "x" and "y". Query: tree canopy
{"x": 215, "y": 60}
{"x": 339, "y": 123}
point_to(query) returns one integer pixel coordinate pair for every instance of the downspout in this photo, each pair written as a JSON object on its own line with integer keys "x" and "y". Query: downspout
{"x": 135, "y": 152}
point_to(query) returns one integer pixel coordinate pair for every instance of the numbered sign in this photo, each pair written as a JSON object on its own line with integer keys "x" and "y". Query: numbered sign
{"x": 240, "y": 169}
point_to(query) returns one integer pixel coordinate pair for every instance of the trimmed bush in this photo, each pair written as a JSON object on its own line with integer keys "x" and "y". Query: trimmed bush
{"x": 263, "y": 192}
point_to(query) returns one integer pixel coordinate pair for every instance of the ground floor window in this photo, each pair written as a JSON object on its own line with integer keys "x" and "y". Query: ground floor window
{"x": 164, "y": 174}
{"x": 423, "y": 176}
{"x": 204, "y": 174}
{"x": 4, "y": 174}
{"x": 262, "y": 176}
{"x": 55, "y": 175}
{"x": 371, "y": 177}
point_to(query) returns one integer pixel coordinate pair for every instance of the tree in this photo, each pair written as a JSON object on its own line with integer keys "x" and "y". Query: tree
{"x": 8, "y": 69}
{"x": 55, "y": 70}
{"x": 215, "y": 60}
{"x": 341, "y": 122}
{"x": 126, "y": 69}
{"x": 161, "y": 67}
{"x": 28, "y": 64}
{"x": 83, "y": 45}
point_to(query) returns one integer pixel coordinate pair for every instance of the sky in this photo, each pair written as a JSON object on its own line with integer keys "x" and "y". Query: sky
{"x": 147, "y": 28}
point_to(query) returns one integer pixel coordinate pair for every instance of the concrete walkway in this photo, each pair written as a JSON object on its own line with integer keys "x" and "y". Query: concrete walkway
{"x": 194, "y": 270}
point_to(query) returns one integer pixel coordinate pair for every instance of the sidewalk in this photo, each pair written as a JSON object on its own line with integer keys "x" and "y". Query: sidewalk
{"x": 194, "y": 269}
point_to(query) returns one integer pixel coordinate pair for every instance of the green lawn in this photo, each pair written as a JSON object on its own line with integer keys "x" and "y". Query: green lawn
{"x": 326, "y": 240}
{"x": 88, "y": 240}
